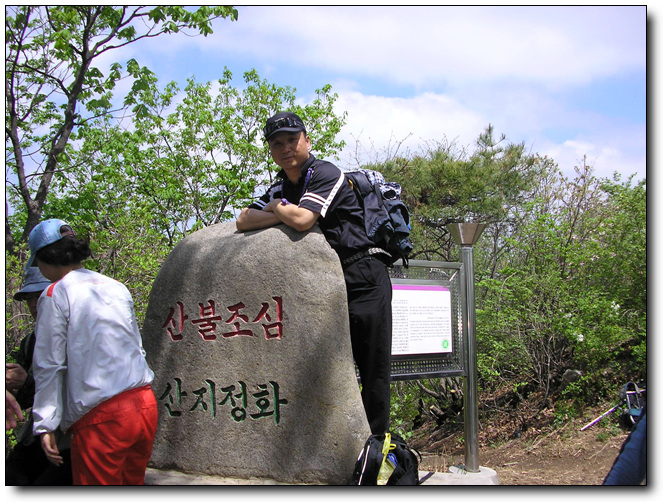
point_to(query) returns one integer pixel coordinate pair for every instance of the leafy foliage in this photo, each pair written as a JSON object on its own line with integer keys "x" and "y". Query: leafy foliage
{"x": 448, "y": 185}
{"x": 136, "y": 191}
{"x": 559, "y": 303}
{"x": 53, "y": 86}
{"x": 561, "y": 269}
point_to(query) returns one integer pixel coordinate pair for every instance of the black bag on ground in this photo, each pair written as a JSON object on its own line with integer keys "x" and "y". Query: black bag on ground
{"x": 372, "y": 459}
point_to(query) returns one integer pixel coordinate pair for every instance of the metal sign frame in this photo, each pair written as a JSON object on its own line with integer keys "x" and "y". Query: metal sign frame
{"x": 436, "y": 365}
{"x": 461, "y": 362}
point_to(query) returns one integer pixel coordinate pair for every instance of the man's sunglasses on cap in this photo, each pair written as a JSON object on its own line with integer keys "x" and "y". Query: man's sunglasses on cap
{"x": 289, "y": 123}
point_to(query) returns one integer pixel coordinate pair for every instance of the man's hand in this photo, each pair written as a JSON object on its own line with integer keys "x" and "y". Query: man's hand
{"x": 50, "y": 448}
{"x": 15, "y": 376}
{"x": 12, "y": 411}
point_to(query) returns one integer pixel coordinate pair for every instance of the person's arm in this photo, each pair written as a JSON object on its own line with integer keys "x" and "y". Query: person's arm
{"x": 15, "y": 376}
{"x": 253, "y": 219}
{"x": 299, "y": 218}
{"x": 49, "y": 365}
{"x": 50, "y": 447}
{"x": 276, "y": 212}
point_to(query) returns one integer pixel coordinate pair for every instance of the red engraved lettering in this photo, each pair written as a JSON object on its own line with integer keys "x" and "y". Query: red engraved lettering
{"x": 275, "y": 326}
{"x": 175, "y": 329}
{"x": 237, "y": 331}
{"x": 207, "y": 320}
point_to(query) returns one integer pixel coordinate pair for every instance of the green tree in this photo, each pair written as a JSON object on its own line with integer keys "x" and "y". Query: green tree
{"x": 557, "y": 303}
{"x": 613, "y": 287}
{"x": 95, "y": 190}
{"x": 447, "y": 184}
{"x": 192, "y": 164}
{"x": 52, "y": 85}
{"x": 210, "y": 149}
{"x": 136, "y": 189}
{"x": 561, "y": 284}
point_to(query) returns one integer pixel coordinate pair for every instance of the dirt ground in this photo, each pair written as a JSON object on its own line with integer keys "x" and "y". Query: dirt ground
{"x": 543, "y": 455}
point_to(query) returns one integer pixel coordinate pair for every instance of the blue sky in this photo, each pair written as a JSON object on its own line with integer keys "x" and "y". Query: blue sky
{"x": 567, "y": 81}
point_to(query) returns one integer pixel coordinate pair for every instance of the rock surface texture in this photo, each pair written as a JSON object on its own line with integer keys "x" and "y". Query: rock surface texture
{"x": 248, "y": 336}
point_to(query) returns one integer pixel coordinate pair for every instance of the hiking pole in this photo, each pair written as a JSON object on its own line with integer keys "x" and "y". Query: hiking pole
{"x": 602, "y": 416}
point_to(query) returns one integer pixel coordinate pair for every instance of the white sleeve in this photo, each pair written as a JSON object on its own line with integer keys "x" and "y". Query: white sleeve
{"x": 49, "y": 362}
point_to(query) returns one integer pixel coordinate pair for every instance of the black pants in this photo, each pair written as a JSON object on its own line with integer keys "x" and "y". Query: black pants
{"x": 369, "y": 305}
{"x": 27, "y": 465}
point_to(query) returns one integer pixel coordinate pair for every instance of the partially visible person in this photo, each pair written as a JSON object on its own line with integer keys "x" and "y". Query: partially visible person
{"x": 91, "y": 375}
{"x": 630, "y": 466}
{"x": 27, "y": 464}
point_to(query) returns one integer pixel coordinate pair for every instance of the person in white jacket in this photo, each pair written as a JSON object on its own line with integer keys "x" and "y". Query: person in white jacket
{"x": 91, "y": 376}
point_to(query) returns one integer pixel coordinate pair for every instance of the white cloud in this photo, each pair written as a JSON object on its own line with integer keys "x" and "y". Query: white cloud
{"x": 459, "y": 68}
{"x": 422, "y": 46}
{"x": 379, "y": 122}
{"x": 604, "y": 159}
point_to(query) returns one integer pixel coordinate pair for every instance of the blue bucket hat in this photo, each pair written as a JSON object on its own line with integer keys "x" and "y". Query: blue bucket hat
{"x": 44, "y": 234}
{"x": 33, "y": 282}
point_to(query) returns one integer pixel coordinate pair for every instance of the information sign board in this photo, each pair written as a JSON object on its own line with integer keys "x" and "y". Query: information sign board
{"x": 421, "y": 319}
{"x": 427, "y": 313}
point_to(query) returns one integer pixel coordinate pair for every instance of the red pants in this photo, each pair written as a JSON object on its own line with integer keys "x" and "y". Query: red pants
{"x": 112, "y": 443}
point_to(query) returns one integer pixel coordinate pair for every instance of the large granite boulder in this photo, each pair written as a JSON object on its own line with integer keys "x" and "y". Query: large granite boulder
{"x": 248, "y": 337}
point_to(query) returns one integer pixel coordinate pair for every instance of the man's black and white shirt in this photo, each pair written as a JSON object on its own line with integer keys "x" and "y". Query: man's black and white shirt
{"x": 327, "y": 192}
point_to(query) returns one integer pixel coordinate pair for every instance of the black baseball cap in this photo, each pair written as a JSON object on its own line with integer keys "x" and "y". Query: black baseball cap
{"x": 283, "y": 122}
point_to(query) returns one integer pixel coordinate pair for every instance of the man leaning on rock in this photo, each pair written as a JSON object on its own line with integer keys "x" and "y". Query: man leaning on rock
{"x": 309, "y": 191}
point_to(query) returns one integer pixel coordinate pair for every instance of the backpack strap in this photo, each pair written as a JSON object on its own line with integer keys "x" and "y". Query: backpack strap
{"x": 309, "y": 172}
{"x": 425, "y": 477}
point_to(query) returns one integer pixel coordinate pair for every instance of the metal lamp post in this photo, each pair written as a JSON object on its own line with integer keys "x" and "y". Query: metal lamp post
{"x": 466, "y": 235}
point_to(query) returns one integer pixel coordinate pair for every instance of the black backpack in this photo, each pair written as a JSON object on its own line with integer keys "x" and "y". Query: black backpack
{"x": 386, "y": 217}
{"x": 371, "y": 459}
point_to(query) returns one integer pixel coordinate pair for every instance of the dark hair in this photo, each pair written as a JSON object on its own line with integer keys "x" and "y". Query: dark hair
{"x": 67, "y": 251}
